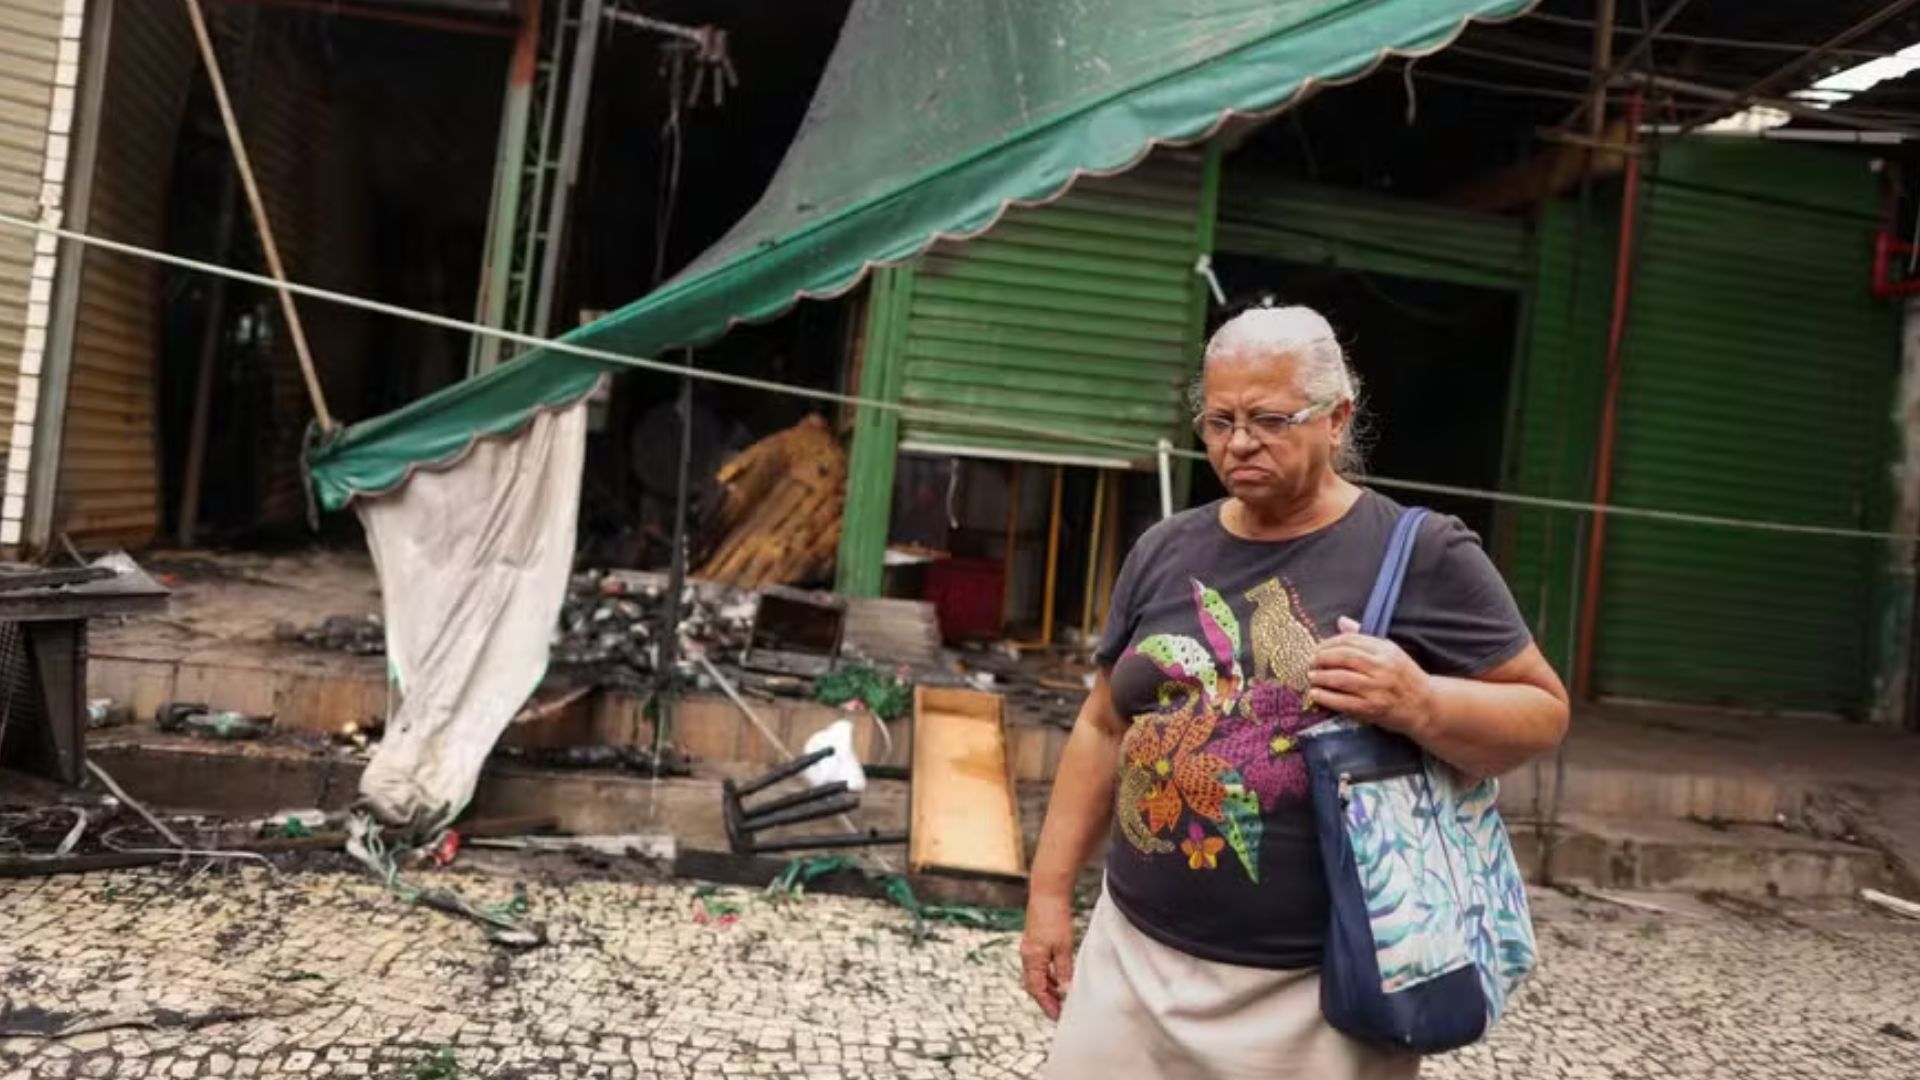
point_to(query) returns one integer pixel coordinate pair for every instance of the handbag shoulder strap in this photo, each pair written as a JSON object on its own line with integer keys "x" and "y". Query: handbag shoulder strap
{"x": 1393, "y": 573}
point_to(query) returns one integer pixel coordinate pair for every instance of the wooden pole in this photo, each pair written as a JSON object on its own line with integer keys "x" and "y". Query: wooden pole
{"x": 259, "y": 209}
{"x": 1053, "y": 559}
{"x": 1596, "y": 107}
{"x": 1110, "y": 548}
{"x": 1094, "y": 545}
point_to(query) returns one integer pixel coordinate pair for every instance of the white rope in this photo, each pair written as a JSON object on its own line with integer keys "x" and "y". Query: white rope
{"x": 1677, "y": 517}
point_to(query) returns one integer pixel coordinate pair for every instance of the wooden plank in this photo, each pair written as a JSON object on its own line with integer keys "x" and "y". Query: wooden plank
{"x": 965, "y": 816}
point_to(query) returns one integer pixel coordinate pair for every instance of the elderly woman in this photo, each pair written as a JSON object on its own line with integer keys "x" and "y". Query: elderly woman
{"x": 1200, "y": 957}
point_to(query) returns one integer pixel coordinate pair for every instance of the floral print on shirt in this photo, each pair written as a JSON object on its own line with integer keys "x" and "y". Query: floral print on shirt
{"x": 1219, "y": 751}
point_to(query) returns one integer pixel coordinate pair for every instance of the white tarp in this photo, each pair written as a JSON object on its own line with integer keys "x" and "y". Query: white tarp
{"x": 473, "y": 563}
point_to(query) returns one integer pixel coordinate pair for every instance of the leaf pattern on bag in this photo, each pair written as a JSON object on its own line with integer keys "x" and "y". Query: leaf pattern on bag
{"x": 1499, "y": 922}
{"x": 1407, "y": 882}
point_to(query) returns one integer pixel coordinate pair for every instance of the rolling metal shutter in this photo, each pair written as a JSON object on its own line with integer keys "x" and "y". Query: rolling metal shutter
{"x": 29, "y": 51}
{"x": 109, "y": 485}
{"x": 1081, "y": 316}
{"x": 1758, "y": 376}
{"x": 1318, "y": 226}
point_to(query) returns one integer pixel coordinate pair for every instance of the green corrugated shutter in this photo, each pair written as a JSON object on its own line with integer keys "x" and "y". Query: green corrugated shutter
{"x": 1318, "y": 226}
{"x": 1556, "y": 395}
{"x": 1077, "y": 317}
{"x": 1758, "y": 375}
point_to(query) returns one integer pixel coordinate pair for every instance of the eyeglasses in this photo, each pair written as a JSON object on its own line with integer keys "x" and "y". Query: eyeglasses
{"x": 1217, "y": 428}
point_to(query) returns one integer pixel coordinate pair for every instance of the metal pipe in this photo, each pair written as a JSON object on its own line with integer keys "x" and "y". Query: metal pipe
{"x": 870, "y": 838}
{"x": 788, "y": 802}
{"x": 1847, "y": 138}
{"x": 1607, "y": 26}
{"x": 775, "y": 775}
{"x": 49, "y": 429}
{"x": 1801, "y": 63}
{"x": 1609, "y": 416}
{"x": 1798, "y": 110}
{"x": 135, "y": 805}
{"x": 844, "y": 804}
{"x": 641, "y": 22}
{"x": 677, "y": 559}
{"x": 572, "y": 136}
{"x": 1838, "y": 117}
{"x": 503, "y": 209}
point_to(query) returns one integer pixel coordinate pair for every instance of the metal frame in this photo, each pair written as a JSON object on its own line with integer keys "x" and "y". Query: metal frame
{"x": 586, "y": 51}
{"x": 503, "y": 207}
{"x": 542, "y": 131}
{"x": 56, "y": 372}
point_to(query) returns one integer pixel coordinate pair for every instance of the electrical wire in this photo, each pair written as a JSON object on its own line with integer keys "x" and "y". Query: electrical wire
{"x": 1134, "y": 450}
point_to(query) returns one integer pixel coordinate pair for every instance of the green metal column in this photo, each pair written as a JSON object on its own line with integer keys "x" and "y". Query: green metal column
{"x": 876, "y": 435}
{"x": 1207, "y": 224}
{"x": 503, "y": 213}
{"x": 1555, "y": 408}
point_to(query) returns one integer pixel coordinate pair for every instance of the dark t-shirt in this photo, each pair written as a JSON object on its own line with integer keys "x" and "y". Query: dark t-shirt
{"x": 1209, "y": 641}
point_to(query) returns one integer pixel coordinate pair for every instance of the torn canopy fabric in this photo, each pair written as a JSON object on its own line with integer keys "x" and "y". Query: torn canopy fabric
{"x": 931, "y": 118}
{"x": 473, "y": 564}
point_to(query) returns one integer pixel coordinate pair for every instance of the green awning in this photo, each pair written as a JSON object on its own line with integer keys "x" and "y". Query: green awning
{"x": 932, "y": 116}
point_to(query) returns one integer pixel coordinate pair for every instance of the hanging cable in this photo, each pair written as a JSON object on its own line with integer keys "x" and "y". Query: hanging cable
{"x": 1133, "y": 450}
{"x": 1413, "y": 95}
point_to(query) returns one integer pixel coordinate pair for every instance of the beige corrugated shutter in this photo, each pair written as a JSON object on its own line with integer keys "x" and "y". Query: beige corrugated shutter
{"x": 109, "y": 483}
{"x": 29, "y": 53}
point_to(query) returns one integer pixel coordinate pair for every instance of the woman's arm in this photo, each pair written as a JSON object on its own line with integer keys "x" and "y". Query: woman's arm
{"x": 1482, "y": 726}
{"x": 1079, "y": 813}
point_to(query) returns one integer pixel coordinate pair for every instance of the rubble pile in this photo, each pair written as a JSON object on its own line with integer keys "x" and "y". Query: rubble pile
{"x": 608, "y": 631}
{"x": 615, "y": 616}
{"x": 355, "y": 635}
{"x": 634, "y": 759}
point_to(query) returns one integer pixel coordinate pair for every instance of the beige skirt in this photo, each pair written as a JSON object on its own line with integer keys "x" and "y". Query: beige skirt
{"x": 1138, "y": 1008}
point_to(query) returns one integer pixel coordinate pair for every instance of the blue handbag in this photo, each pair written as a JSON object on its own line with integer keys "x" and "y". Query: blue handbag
{"x": 1429, "y": 931}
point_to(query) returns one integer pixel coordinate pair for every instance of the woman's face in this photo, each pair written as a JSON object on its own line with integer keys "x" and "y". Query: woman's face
{"x": 1268, "y": 465}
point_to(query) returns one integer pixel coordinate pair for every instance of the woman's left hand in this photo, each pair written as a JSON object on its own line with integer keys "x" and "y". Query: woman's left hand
{"x": 1371, "y": 679}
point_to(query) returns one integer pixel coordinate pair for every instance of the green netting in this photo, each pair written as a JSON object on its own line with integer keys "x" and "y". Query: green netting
{"x": 931, "y": 117}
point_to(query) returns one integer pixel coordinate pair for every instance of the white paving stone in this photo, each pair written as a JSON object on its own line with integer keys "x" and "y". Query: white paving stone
{"x": 239, "y": 974}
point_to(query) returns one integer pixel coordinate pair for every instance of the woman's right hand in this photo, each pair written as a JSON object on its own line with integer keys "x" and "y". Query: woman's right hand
{"x": 1046, "y": 952}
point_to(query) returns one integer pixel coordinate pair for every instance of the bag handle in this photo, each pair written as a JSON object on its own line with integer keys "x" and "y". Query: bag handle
{"x": 1393, "y": 573}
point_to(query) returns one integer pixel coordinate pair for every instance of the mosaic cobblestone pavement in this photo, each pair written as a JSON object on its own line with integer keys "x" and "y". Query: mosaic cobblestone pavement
{"x": 158, "y": 974}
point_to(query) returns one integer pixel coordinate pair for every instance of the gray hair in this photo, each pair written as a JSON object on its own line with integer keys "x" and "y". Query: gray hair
{"x": 1324, "y": 374}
